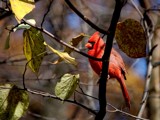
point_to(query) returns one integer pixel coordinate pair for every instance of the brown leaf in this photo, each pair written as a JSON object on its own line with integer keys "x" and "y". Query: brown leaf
{"x": 131, "y": 38}
{"x": 74, "y": 42}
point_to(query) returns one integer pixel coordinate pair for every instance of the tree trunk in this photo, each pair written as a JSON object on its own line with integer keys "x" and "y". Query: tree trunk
{"x": 154, "y": 91}
{"x": 153, "y": 102}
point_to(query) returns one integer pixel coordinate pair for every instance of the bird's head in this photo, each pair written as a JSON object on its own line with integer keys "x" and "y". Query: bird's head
{"x": 95, "y": 42}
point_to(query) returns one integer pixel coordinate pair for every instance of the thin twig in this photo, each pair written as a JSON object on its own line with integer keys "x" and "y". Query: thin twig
{"x": 86, "y": 84}
{"x": 23, "y": 78}
{"x": 136, "y": 7}
{"x": 85, "y": 93}
{"x": 152, "y": 9}
{"x": 115, "y": 109}
{"x": 61, "y": 41}
{"x": 85, "y": 18}
{"x": 49, "y": 7}
{"x": 148, "y": 79}
{"x": 24, "y": 86}
{"x": 156, "y": 64}
{"x": 152, "y": 49}
{"x": 146, "y": 90}
{"x": 40, "y": 116}
{"x": 44, "y": 94}
{"x": 125, "y": 113}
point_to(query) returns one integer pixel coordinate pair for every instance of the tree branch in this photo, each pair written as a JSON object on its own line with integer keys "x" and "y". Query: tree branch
{"x": 49, "y": 7}
{"x": 61, "y": 41}
{"x": 85, "y": 18}
{"x": 125, "y": 113}
{"x": 105, "y": 59}
{"x": 148, "y": 26}
{"x": 146, "y": 90}
{"x": 156, "y": 64}
{"x": 44, "y": 94}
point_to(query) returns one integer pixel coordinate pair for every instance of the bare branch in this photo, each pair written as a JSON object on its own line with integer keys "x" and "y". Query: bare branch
{"x": 156, "y": 64}
{"x": 85, "y": 18}
{"x": 152, "y": 49}
{"x": 130, "y": 115}
{"x": 148, "y": 79}
{"x": 49, "y": 7}
{"x": 61, "y": 41}
{"x": 44, "y": 94}
{"x": 40, "y": 116}
{"x": 25, "y": 69}
{"x": 23, "y": 79}
{"x": 136, "y": 7}
{"x": 105, "y": 59}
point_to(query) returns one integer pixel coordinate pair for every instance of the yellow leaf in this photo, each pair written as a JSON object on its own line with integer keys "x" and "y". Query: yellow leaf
{"x": 63, "y": 55}
{"x": 131, "y": 38}
{"x": 21, "y": 7}
{"x": 74, "y": 42}
{"x": 34, "y": 48}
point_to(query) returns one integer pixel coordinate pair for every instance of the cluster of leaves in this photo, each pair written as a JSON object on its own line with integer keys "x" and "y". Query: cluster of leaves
{"x": 129, "y": 35}
{"x": 34, "y": 51}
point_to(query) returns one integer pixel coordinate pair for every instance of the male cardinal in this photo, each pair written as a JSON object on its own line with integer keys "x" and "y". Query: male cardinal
{"x": 116, "y": 68}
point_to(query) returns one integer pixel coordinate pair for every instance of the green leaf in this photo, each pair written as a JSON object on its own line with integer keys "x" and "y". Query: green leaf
{"x": 63, "y": 55}
{"x": 21, "y": 7}
{"x": 7, "y": 45}
{"x": 13, "y": 102}
{"x": 34, "y": 48}
{"x": 21, "y": 26}
{"x": 131, "y": 39}
{"x": 67, "y": 85}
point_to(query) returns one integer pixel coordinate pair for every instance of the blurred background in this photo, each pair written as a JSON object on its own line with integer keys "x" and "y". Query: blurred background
{"x": 65, "y": 24}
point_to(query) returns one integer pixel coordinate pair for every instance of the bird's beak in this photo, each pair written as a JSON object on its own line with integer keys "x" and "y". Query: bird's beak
{"x": 89, "y": 45}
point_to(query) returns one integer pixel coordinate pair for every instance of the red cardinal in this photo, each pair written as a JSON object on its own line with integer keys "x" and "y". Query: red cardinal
{"x": 116, "y": 68}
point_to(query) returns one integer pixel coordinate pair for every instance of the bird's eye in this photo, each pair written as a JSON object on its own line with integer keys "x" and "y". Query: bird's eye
{"x": 92, "y": 43}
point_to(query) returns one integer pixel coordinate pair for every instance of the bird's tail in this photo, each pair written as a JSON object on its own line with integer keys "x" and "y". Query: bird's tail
{"x": 124, "y": 91}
